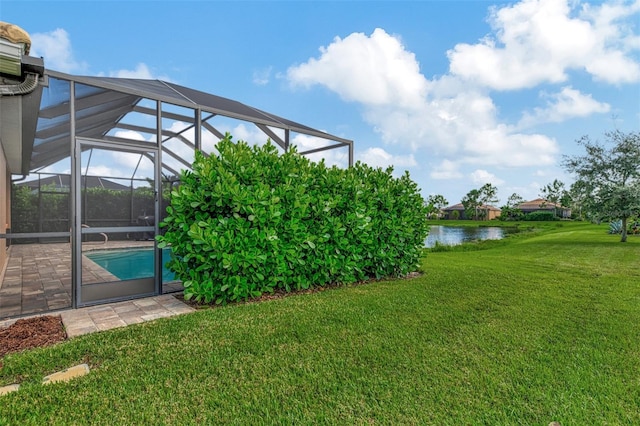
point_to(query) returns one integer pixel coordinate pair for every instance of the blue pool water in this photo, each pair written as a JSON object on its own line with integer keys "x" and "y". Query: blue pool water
{"x": 131, "y": 264}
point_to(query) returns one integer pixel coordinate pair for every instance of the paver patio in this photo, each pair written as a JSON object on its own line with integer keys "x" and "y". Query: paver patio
{"x": 37, "y": 278}
{"x": 113, "y": 315}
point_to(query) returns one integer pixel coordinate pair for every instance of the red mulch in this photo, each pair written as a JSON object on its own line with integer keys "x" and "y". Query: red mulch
{"x": 29, "y": 333}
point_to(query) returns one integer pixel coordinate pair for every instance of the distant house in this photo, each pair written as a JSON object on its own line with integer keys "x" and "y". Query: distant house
{"x": 542, "y": 205}
{"x": 491, "y": 212}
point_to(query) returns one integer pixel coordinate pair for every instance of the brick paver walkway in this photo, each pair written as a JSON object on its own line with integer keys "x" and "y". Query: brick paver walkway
{"x": 120, "y": 314}
{"x": 37, "y": 278}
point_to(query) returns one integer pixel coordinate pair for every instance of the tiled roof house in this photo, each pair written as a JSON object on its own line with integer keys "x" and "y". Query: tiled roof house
{"x": 493, "y": 212}
{"x": 542, "y": 205}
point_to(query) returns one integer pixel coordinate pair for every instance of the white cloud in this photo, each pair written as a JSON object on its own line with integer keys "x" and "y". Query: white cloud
{"x": 524, "y": 190}
{"x": 55, "y": 48}
{"x": 534, "y": 188}
{"x": 121, "y": 164}
{"x": 179, "y": 147}
{"x": 372, "y": 70}
{"x": 332, "y": 157}
{"x": 141, "y": 165}
{"x": 378, "y": 157}
{"x": 104, "y": 171}
{"x": 498, "y": 147}
{"x": 538, "y": 41}
{"x": 616, "y": 40}
{"x": 252, "y": 135}
{"x": 453, "y": 116}
{"x": 262, "y": 77}
{"x": 446, "y": 170}
{"x": 445, "y": 115}
{"x": 129, "y": 134}
{"x": 481, "y": 177}
{"x": 564, "y": 105}
{"x": 140, "y": 71}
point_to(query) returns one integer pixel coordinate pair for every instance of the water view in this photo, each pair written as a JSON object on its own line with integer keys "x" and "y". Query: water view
{"x": 455, "y": 235}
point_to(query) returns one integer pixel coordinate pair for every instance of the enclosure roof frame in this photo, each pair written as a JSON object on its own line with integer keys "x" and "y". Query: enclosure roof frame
{"x": 108, "y": 117}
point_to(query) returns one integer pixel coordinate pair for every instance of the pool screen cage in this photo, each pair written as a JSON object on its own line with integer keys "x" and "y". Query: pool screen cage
{"x": 97, "y": 175}
{"x": 42, "y": 205}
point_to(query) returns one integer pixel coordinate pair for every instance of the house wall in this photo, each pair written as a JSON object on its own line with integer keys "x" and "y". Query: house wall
{"x": 5, "y": 207}
{"x": 560, "y": 211}
{"x": 538, "y": 209}
{"x": 449, "y": 214}
{"x": 493, "y": 214}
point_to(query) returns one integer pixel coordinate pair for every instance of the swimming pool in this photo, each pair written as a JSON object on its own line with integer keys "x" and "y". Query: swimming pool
{"x": 130, "y": 264}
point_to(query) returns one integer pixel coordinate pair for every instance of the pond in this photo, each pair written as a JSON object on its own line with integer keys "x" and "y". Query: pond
{"x": 455, "y": 235}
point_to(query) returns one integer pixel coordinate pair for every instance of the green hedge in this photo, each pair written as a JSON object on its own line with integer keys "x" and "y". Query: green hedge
{"x": 540, "y": 216}
{"x": 249, "y": 221}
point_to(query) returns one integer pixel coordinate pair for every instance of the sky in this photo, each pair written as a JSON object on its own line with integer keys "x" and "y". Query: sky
{"x": 458, "y": 93}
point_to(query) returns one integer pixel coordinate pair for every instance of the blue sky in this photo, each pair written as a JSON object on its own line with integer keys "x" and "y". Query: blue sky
{"x": 458, "y": 93}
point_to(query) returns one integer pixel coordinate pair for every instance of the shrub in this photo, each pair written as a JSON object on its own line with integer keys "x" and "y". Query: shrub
{"x": 439, "y": 247}
{"x": 540, "y": 216}
{"x": 249, "y": 221}
{"x": 510, "y": 214}
{"x": 615, "y": 227}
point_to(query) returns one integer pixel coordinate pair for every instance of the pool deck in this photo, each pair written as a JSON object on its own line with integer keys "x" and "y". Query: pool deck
{"x": 113, "y": 315}
{"x": 37, "y": 278}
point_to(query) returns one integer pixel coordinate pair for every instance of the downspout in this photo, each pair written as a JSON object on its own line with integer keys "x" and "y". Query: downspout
{"x": 27, "y": 86}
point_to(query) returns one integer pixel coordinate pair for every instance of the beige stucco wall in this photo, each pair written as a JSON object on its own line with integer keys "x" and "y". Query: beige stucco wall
{"x": 493, "y": 214}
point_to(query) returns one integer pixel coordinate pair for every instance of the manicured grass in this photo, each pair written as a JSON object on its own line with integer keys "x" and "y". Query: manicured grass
{"x": 541, "y": 327}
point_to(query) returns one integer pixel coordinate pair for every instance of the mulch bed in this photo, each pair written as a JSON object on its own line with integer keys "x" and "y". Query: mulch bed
{"x": 29, "y": 333}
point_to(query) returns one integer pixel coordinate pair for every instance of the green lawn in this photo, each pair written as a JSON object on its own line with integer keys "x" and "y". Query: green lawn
{"x": 537, "y": 328}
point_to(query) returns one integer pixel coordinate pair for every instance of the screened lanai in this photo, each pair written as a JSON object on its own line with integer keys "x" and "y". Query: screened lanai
{"x": 90, "y": 186}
